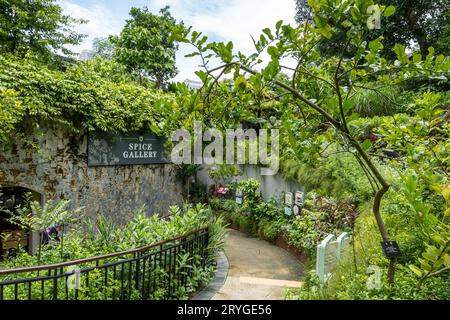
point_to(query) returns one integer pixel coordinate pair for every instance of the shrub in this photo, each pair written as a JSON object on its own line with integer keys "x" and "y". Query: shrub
{"x": 103, "y": 237}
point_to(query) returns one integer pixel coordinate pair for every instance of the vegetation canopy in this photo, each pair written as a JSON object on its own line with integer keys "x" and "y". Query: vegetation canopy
{"x": 319, "y": 102}
{"x": 363, "y": 115}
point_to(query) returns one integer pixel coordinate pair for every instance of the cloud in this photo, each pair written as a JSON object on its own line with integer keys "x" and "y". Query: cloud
{"x": 101, "y": 21}
{"x": 234, "y": 20}
{"x": 221, "y": 20}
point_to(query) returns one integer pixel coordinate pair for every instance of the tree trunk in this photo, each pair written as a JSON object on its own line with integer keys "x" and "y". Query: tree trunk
{"x": 419, "y": 33}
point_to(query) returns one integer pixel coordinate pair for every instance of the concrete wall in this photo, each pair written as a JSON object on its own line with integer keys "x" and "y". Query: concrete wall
{"x": 58, "y": 169}
{"x": 271, "y": 186}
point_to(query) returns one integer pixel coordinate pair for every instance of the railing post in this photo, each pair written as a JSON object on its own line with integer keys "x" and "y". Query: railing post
{"x": 137, "y": 275}
{"x": 205, "y": 247}
{"x": 55, "y": 285}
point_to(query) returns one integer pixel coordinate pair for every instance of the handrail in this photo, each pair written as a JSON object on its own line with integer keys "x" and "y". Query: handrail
{"x": 95, "y": 258}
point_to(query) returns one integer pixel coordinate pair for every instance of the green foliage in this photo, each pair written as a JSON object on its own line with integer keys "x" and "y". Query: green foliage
{"x": 381, "y": 100}
{"x": 102, "y": 48}
{"x": 301, "y": 233}
{"x": 337, "y": 175}
{"x": 145, "y": 45}
{"x": 266, "y": 218}
{"x": 427, "y": 134}
{"x": 185, "y": 171}
{"x": 319, "y": 111}
{"x": 38, "y": 218}
{"x": 105, "y": 236}
{"x": 346, "y": 101}
{"x": 270, "y": 229}
{"x": 224, "y": 173}
{"x": 320, "y": 217}
{"x": 353, "y": 286}
{"x": 421, "y": 270}
{"x": 250, "y": 189}
{"x": 94, "y": 95}
{"x": 349, "y": 281}
{"x": 11, "y": 112}
{"x": 436, "y": 259}
{"x": 412, "y": 23}
{"x": 310, "y": 290}
{"x": 102, "y": 236}
{"x": 38, "y": 26}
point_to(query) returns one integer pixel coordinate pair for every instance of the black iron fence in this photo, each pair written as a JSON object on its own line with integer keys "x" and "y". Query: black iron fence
{"x": 164, "y": 270}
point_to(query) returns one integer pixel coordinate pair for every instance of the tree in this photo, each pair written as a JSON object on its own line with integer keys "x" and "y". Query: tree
{"x": 103, "y": 48}
{"x": 303, "y": 11}
{"x": 37, "y": 218}
{"x": 145, "y": 45}
{"x": 36, "y": 25}
{"x": 320, "y": 89}
{"x": 416, "y": 24}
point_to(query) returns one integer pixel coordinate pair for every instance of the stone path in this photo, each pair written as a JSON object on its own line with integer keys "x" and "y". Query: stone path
{"x": 258, "y": 270}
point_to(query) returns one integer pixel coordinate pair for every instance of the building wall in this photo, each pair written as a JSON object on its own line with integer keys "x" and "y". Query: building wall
{"x": 271, "y": 186}
{"x": 58, "y": 169}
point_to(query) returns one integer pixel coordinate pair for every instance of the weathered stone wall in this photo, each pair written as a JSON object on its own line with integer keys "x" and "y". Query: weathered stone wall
{"x": 58, "y": 169}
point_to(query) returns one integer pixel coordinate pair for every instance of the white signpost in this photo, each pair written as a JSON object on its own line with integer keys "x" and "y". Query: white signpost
{"x": 239, "y": 196}
{"x": 329, "y": 251}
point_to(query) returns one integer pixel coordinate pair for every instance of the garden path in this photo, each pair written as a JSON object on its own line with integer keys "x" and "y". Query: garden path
{"x": 258, "y": 270}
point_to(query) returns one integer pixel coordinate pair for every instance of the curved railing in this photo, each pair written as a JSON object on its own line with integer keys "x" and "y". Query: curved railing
{"x": 158, "y": 271}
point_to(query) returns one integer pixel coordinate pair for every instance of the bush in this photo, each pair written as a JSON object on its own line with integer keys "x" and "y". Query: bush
{"x": 379, "y": 100}
{"x": 266, "y": 218}
{"x": 103, "y": 237}
{"x": 96, "y": 94}
{"x": 349, "y": 279}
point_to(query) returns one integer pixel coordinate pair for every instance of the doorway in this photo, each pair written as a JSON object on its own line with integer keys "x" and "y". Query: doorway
{"x": 12, "y": 236}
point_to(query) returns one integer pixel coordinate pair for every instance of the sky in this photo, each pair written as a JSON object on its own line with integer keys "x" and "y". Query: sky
{"x": 220, "y": 20}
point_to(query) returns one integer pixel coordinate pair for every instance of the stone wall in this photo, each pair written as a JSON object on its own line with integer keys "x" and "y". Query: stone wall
{"x": 58, "y": 169}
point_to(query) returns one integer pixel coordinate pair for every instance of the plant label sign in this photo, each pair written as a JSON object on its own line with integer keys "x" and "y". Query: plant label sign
{"x": 297, "y": 210}
{"x": 287, "y": 211}
{"x": 239, "y": 196}
{"x": 288, "y": 199}
{"x": 299, "y": 198}
{"x": 110, "y": 149}
{"x": 391, "y": 249}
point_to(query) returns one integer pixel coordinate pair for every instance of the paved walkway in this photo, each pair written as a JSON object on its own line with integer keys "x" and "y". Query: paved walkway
{"x": 258, "y": 269}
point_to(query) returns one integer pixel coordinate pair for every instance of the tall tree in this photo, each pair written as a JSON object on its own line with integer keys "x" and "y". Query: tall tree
{"x": 145, "y": 45}
{"x": 417, "y": 24}
{"x": 103, "y": 47}
{"x": 36, "y": 25}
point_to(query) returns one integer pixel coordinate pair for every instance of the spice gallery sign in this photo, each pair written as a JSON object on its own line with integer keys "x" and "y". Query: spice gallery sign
{"x": 109, "y": 149}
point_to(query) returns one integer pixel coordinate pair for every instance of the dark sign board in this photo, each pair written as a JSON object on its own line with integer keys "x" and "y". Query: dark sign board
{"x": 391, "y": 249}
{"x": 299, "y": 198}
{"x": 109, "y": 149}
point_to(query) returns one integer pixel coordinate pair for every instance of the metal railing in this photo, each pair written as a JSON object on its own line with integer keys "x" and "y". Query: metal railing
{"x": 158, "y": 271}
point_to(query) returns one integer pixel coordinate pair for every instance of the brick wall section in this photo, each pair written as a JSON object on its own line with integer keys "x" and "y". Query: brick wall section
{"x": 58, "y": 169}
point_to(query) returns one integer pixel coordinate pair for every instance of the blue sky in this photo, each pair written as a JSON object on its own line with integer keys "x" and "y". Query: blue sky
{"x": 220, "y": 20}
